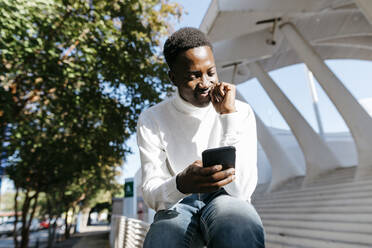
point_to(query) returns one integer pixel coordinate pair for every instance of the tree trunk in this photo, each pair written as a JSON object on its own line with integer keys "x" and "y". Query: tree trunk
{"x": 26, "y": 222}
{"x": 67, "y": 226}
{"x": 73, "y": 218}
{"x": 52, "y": 226}
{"x": 16, "y": 245}
{"x": 24, "y": 233}
{"x": 51, "y": 232}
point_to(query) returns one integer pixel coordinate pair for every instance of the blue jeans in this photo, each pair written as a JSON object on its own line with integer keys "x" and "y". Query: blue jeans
{"x": 214, "y": 219}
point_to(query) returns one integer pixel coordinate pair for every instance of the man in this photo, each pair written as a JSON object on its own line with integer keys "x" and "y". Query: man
{"x": 198, "y": 205}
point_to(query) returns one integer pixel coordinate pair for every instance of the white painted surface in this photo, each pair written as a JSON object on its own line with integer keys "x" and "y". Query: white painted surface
{"x": 319, "y": 158}
{"x": 366, "y": 7}
{"x": 283, "y": 168}
{"x": 356, "y": 118}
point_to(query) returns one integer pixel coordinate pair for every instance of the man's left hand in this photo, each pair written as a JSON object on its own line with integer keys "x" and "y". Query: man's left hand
{"x": 223, "y": 98}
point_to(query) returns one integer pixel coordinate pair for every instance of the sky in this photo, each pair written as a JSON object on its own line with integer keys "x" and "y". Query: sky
{"x": 356, "y": 76}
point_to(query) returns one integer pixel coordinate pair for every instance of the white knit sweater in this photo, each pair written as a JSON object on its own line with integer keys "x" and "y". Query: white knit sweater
{"x": 172, "y": 135}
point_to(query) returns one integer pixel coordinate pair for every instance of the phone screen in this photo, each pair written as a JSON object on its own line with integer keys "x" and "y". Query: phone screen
{"x": 224, "y": 156}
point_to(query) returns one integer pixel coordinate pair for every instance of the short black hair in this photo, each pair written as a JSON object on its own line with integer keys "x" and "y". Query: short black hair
{"x": 182, "y": 40}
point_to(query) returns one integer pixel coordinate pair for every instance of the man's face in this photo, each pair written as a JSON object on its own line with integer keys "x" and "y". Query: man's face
{"x": 194, "y": 73}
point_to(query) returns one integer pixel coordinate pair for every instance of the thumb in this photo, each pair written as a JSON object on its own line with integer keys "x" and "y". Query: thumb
{"x": 198, "y": 163}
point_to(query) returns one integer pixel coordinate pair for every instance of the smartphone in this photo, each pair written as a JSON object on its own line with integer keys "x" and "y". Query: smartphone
{"x": 224, "y": 156}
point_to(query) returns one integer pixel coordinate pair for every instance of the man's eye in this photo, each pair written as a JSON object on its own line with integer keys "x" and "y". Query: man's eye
{"x": 192, "y": 76}
{"x": 211, "y": 73}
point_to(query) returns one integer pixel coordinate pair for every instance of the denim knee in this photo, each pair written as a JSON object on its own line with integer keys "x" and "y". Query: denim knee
{"x": 164, "y": 233}
{"x": 231, "y": 222}
{"x": 237, "y": 231}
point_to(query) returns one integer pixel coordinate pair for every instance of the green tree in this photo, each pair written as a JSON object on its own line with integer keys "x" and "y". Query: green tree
{"x": 74, "y": 76}
{"x": 81, "y": 193}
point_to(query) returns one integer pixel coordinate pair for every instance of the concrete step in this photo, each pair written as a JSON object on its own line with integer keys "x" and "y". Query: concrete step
{"x": 293, "y": 183}
{"x": 347, "y": 174}
{"x": 331, "y": 182}
{"x": 328, "y": 202}
{"x": 338, "y": 173}
{"x": 299, "y": 193}
{"x": 342, "y": 171}
{"x": 316, "y": 209}
{"x": 334, "y": 176}
{"x": 304, "y": 242}
{"x": 272, "y": 244}
{"x": 334, "y": 211}
{"x": 350, "y": 217}
{"x": 338, "y": 236}
{"x": 314, "y": 188}
{"x": 317, "y": 197}
{"x": 331, "y": 176}
{"x": 326, "y": 182}
{"x": 337, "y": 226}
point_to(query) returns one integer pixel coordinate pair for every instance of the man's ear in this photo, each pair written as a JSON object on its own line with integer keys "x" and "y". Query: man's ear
{"x": 172, "y": 77}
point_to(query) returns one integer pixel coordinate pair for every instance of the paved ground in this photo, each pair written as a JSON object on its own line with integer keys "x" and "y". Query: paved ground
{"x": 67, "y": 243}
{"x": 90, "y": 237}
{"x": 94, "y": 240}
{"x": 36, "y": 238}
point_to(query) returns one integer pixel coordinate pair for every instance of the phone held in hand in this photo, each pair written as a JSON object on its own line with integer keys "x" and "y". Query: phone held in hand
{"x": 224, "y": 156}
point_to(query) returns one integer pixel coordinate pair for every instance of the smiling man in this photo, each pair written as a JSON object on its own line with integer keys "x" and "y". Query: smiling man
{"x": 196, "y": 205}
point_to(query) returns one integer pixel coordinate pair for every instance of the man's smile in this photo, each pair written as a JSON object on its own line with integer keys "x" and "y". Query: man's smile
{"x": 204, "y": 93}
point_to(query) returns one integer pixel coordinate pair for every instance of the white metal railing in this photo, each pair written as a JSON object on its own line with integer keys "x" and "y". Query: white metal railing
{"x": 127, "y": 232}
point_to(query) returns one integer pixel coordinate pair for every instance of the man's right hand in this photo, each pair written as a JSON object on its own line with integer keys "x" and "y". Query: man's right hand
{"x": 198, "y": 179}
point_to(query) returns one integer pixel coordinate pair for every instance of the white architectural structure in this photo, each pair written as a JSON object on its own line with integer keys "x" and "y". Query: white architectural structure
{"x": 333, "y": 207}
{"x": 269, "y": 34}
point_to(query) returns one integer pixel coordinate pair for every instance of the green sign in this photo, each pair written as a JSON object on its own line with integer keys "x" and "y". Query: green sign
{"x": 128, "y": 189}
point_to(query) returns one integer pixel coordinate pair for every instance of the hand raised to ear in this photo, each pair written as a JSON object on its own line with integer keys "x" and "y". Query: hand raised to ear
{"x": 223, "y": 98}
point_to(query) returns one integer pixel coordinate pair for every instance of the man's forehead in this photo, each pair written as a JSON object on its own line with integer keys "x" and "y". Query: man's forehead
{"x": 197, "y": 55}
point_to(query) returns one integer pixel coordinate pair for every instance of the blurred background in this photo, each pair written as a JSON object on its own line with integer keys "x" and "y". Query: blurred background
{"x": 75, "y": 75}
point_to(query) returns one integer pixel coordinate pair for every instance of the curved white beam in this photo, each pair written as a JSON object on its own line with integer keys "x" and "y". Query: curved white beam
{"x": 356, "y": 118}
{"x": 366, "y": 7}
{"x": 228, "y": 51}
{"x": 360, "y": 42}
{"x": 341, "y": 26}
{"x": 318, "y": 156}
{"x": 282, "y": 166}
{"x": 226, "y": 19}
{"x": 290, "y": 57}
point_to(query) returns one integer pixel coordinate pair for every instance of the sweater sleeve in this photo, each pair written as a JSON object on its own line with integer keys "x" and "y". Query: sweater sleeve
{"x": 158, "y": 184}
{"x": 239, "y": 130}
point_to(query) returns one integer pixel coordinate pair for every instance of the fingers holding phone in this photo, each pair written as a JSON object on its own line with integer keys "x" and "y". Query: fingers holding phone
{"x": 198, "y": 179}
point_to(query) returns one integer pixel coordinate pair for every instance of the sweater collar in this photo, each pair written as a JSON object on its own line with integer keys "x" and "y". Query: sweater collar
{"x": 187, "y": 108}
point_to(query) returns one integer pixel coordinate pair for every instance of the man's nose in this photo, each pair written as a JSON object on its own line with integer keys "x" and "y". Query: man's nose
{"x": 205, "y": 82}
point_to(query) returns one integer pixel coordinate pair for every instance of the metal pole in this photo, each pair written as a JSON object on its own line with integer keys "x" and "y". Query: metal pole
{"x": 314, "y": 96}
{"x": 234, "y": 73}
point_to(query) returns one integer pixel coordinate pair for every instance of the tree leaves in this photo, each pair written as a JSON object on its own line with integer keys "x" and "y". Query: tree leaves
{"x": 74, "y": 76}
